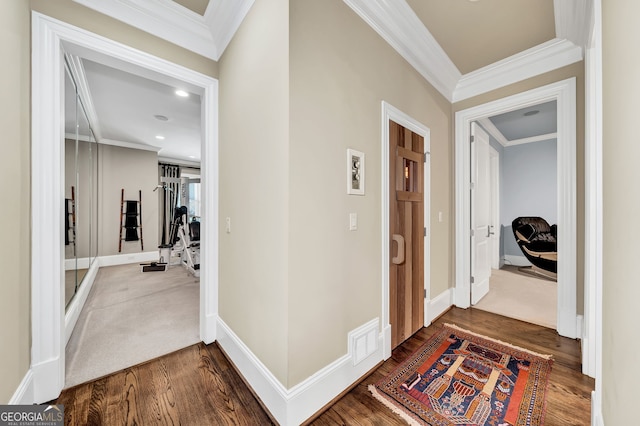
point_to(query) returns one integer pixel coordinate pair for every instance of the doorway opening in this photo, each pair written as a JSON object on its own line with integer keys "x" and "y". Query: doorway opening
{"x": 515, "y": 181}
{"x": 49, "y": 323}
{"x": 563, "y": 93}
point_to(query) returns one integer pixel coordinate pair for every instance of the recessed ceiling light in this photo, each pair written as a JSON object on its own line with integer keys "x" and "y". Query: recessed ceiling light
{"x": 530, "y": 113}
{"x": 182, "y": 93}
{"x": 161, "y": 117}
{"x": 192, "y": 156}
{"x": 160, "y": 137}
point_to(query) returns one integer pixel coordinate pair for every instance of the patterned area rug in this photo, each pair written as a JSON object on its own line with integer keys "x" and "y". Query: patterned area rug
{"x": 462, "y": 378}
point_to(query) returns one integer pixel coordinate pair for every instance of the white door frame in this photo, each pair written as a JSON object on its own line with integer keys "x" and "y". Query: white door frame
{"x": 47, "y": 192}
{"x": 494, "y": 159}
{"x": 564, "y": 93}
{"x": 389, "y": 112}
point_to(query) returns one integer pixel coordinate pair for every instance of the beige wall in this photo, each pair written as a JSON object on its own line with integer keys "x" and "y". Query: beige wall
{"x": 133, "y": 170}
{"x": 15, "y": 323}
{"x": 574, "y": 70}
{"x": 339, "y": 75}
{"x": 621, "y": 150}
{"x": 88, "y": 19}
{"x": 254, "y": 176}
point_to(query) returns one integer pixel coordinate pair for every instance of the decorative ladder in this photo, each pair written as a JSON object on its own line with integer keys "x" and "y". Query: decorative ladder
{"x": 130, "y": 220}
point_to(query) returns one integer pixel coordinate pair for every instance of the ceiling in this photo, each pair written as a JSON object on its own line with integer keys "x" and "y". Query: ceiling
{"x": 462, "y": 47}
{"x": 475, "y": 34}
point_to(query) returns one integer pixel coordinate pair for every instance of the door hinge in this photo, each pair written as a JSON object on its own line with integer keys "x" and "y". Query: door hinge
{"x": 473, "y": 280}
{"x": 425, "y": 293}
{"x": 472, "y": 185}
{"x": 425, "y": 231}
{"x": 425, "y": 156}
{"x": 473, "y": 233}
{"x": 473, "y": 138}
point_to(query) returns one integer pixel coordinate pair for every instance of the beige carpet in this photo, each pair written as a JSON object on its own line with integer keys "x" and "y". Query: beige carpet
{"x": 515, "y": 294}
{"x": 131, "y": 317}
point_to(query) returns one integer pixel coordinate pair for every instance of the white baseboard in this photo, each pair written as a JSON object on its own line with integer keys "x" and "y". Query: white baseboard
{"x": 510, "y": 259}
{"x": 124, "y": 259}
{"x": 438, "y": 305}
{"x": 596, "y": 411}
{"x": 579, "y": 326}
{"x": 295, "y": 405}
{"x": 72, "y": 312}
{"x": 24, "y": 394}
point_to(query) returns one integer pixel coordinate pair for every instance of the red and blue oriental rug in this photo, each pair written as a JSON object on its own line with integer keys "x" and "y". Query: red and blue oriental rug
{"x": 462, "y": 378}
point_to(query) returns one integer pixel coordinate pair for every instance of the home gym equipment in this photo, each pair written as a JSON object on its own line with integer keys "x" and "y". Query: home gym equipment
{"x": 130, "y": 220}
{"x": 185, "y": 240}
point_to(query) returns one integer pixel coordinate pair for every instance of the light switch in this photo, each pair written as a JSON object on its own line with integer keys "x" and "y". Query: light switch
{"x": 228, "y": 225}
{"x": 353, "y": 221}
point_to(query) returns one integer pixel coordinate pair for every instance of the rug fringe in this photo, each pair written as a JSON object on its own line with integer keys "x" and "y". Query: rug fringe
{"x": 402, "y": 414}
{"x": 455, "y": 327}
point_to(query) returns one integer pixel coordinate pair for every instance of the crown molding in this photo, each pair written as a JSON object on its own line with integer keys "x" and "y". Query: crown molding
{"x": 223, "y": 17}
{"x": 132, "y": 145}
{"x": 573, "y": 20}
{"x": 539, "y": 138}
{"x": 493, "y": 131}
{"x": 399, "y": 26}
{"x": 543, "y": 58}
{"x": 82, "y": 86}
{"x": 205, "y": 35}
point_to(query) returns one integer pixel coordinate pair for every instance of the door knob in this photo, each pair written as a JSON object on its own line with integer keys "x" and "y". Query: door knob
{"x": 399, "y": 258}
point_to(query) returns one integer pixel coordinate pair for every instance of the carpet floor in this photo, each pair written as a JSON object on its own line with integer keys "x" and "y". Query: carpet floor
{"x": 132, "y": 317}
{"x": 515, "y": 294}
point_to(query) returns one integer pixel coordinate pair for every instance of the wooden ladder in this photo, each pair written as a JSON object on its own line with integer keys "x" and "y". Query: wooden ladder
{"x": 125, "y": 225}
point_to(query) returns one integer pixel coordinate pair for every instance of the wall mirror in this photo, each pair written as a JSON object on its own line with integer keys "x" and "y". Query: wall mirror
{"x": 80, "y": 217}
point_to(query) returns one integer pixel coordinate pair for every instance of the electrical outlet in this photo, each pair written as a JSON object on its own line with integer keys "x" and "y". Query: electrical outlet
{"x": 228, "y": 225}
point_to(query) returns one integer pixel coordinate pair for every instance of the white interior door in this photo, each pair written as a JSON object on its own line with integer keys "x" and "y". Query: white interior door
{"x": 480, "y": 214}
{"x": 495, "y": 228}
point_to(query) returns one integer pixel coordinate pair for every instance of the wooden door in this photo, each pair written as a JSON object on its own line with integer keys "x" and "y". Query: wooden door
{"x": 480, "y": 214}
{"x": 406, "y": 228}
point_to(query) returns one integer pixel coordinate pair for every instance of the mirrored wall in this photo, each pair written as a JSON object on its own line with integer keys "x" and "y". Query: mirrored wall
{"x": 80, "y": 218}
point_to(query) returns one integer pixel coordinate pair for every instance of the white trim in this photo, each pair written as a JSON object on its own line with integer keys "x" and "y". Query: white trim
{"x": 516, "y": 260}
{"x": 132, "y": 145}
{"x": 564, "y": 92}
{"x": 24, "y": 394}
{"x": 390, "y": 112}
{"x": 295, "y": 405}
{"x": 72, "y": 312}
{"x": 47, "y": 275}
{"x": 398, "y": 24}
{"x": 571, "y": 19}
{"x": 438, "y": 306}
{"x": 206, "y": 35}
{"x": 223, "y": 18}
{"x": 543, "y": 58}
{"x": 596, "y": 410}
{"x": 76, "y": 68}
{"x": 126, "y": 258}
{"x": 493, "y": 131}
{"x": 539, "y": 138}
{"x": 579, "y": 326}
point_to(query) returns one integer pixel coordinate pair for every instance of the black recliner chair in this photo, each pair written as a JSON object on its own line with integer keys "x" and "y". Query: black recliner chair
{"x": 538, "y": 242}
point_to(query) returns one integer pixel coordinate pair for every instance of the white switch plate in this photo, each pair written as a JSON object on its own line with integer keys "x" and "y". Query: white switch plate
{"x": 353, "y": 221}
{"x": 439, "y": 216}
{"x": 228, "y": 225}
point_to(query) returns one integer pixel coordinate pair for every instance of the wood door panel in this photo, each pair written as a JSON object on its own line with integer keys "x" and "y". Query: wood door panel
{"x": 406, "y": 186}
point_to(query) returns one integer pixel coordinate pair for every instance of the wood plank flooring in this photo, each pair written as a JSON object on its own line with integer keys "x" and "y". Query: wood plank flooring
{"x": 198, "y": 385}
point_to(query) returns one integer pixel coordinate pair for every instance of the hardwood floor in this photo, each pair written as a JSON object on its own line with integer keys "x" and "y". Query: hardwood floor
{"x": 198, "y": 385}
